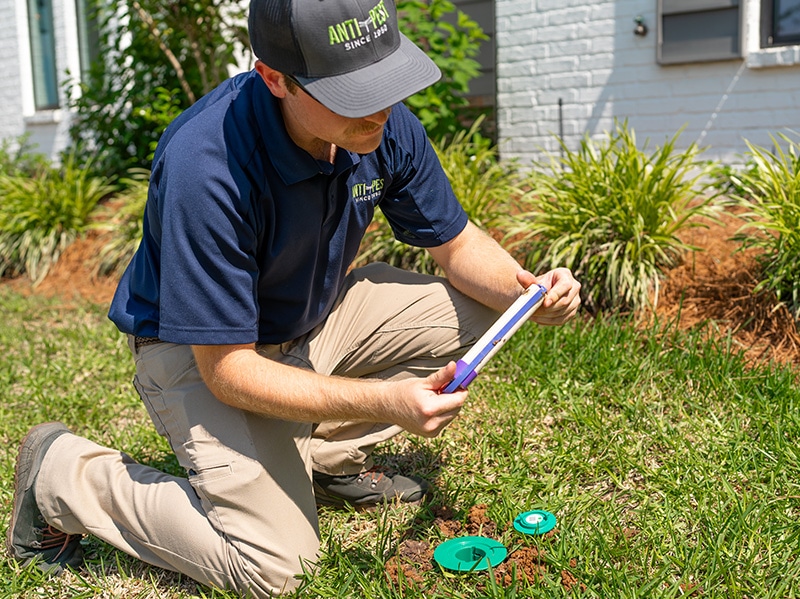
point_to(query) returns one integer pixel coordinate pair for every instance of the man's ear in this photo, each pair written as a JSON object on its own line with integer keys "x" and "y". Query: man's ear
{"x": 273, "y": 79}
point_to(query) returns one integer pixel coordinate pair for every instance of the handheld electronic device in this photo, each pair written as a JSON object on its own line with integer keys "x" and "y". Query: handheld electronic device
{"x": 467, "y": 368}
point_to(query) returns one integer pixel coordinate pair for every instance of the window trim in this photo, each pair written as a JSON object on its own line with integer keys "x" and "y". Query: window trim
{"x": 767, "y": 28}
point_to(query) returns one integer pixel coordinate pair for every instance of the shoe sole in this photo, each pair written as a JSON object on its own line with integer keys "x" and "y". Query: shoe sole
{"x": 24, "y": 474}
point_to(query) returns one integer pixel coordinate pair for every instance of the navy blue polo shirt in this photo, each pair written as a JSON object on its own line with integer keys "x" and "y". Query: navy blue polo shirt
{"x": 248, "y": 238}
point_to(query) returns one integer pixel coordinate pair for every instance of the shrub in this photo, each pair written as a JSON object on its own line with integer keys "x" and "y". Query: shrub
{"x": 611, "y": 213}
{"x": 40, "y": 216}
{"x": 156, "y": 58}
{"x": 124, "y": 221}
{"x": 18, "y": 158}
{"x": 481, "y": 183}
{"x": 770, "y": 189}
{"x": 452, "y": 40}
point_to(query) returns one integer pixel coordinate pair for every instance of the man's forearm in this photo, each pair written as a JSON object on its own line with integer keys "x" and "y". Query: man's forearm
{"x": 242, "y": 378}
{"x": 479, "y": 267}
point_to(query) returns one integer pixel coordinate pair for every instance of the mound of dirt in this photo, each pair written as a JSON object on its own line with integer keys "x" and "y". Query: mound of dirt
{"x": 414, "y": 558}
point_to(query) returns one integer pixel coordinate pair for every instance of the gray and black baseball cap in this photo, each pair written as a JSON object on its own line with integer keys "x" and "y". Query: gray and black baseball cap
{"x": 347, "y": 54}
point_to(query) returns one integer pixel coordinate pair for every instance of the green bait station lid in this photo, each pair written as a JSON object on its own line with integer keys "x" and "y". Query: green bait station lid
{"x": 535, "y": 522}
{"x": 468, "y": 554}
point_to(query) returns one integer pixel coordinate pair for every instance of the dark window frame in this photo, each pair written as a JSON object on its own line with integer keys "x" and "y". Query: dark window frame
{"x": 697, "y": 31}
{"x": 769, "y": 39}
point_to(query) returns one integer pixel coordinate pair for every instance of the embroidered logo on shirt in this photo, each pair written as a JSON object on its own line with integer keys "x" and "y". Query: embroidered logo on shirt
{"x": 367, "y": 192}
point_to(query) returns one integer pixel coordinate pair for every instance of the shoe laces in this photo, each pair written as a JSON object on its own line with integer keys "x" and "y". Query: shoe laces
{"x": 52, "y": 538}
{"x": 375, "y": 475}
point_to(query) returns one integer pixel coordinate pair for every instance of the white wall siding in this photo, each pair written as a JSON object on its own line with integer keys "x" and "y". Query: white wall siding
{"x": 588, "y": 56}
{"x": 11, "y": 122}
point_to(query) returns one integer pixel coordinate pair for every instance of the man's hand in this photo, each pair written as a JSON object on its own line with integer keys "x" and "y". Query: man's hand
{"x": 420, "y": 409}
{"x": 563, "y": 295}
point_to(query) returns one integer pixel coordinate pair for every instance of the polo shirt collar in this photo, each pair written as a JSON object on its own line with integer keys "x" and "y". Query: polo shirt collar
{"x": 292, "y": 162}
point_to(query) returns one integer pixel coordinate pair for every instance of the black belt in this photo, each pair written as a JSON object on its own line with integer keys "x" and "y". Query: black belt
{"x": 142, "y": 341}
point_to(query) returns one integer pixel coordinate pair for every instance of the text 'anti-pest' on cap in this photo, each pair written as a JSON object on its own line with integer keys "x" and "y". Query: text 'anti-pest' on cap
{"x": 347, "y": 54}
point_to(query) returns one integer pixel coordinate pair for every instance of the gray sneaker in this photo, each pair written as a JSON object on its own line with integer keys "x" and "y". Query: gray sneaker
{"x": 376, "y": 485}
{"x": 30, "y": 538}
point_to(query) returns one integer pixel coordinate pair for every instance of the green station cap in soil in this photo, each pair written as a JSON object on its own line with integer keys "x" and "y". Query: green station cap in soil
{"x": 535, "y": 522}
{"x": 468, "y": 554}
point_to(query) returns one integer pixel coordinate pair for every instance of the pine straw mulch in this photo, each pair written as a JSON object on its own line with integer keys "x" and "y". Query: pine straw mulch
{"x": 713, "y": 291}
{"x": 74, "y": 277}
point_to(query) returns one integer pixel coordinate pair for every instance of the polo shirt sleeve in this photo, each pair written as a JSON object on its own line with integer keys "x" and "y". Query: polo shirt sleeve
{"x": 207, "y": 254}
{"x": 419, "y": 203}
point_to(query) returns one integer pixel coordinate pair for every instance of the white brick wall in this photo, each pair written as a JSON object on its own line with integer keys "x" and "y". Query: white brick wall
{"x": 48, "y": 129}
{"x": 10, "y": 98}
{"x": 587, "y": 55}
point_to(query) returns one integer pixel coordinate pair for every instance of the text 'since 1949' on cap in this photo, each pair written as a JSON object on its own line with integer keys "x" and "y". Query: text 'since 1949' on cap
{"x": 348, "y": 54}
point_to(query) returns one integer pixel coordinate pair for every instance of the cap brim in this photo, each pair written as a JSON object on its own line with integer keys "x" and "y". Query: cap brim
{"x": 366, "y": 91}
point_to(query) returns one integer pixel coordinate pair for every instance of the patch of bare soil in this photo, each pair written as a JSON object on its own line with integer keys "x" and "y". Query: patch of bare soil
{"x": 413, "y": 559}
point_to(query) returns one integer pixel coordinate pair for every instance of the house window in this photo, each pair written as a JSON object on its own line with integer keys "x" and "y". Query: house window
{"x": 43, "y": 54}
{"x": 780, "y": 22}
{"x": 88, "y": 43}
{"x": 698, "y": 30}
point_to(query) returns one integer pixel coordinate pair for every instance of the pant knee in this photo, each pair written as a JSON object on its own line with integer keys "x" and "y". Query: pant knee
{"x": 275, "y": 572}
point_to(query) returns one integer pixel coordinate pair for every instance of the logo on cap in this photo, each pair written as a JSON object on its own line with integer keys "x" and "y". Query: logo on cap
{"x": 353, "y": 33}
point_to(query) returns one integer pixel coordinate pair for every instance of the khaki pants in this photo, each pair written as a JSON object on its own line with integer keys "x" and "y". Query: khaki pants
{"x": 245, "y": 518}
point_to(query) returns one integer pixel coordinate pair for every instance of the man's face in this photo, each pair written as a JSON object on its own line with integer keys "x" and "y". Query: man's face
{"x": 308, "y": 119}
{"x": 314, "y": 127}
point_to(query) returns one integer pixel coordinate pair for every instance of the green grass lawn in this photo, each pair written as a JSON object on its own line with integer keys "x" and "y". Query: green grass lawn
{"x": 672, "y": 467}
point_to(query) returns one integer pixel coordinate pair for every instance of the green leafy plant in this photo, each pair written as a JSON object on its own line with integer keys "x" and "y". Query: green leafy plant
{"x": 122, "y": 219}
{"x": 770, "y": 189}
{"x": 155, "y": 59}
{"x": 612, "y": 214}
{"x": 726, "y": 177}
{"x": 41, "y": 216}
{"x": 18, "y": 157}
{"x": 452, "y": 39}
{"x": 481, "y": 183}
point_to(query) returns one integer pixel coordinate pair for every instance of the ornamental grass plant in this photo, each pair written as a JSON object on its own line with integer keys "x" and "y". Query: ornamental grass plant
{"x": 122, "y": 219}
{"x": 770, "y": 192}
{"x": 41, "y": 215}
{"x": 613, "y": 214}
{"x": 482, "y": 184}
